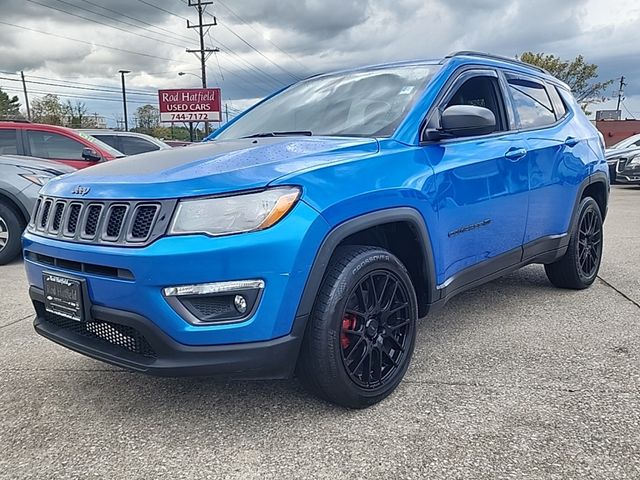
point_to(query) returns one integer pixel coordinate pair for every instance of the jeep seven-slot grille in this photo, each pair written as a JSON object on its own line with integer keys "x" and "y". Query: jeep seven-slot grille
{"x": 129, "y": 223}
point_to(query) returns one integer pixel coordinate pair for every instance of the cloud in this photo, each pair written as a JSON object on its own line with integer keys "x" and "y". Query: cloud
{"x": 267, "y": 44}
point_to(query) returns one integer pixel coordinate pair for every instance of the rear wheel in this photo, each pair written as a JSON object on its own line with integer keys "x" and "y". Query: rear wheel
{"x": 11, "y": 227}
{"x": 361, "y": 333}
{"x": 579, "y": 267}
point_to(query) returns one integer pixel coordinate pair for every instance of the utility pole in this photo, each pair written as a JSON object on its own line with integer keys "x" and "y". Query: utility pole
{"x": 621, "y": 92}
{"x": 26, "y": 96}
{"x": 124, "y": 99}
{"x": 202, "y": 53}
{"x": 226, "y": 112}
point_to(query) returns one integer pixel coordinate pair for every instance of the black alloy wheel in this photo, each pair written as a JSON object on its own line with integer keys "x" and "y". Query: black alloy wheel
{"x": 590, "y": 243}
{"x": 361, "y": 333}
{"x": 579, "y": 266}
{"x": 376, "y": 329}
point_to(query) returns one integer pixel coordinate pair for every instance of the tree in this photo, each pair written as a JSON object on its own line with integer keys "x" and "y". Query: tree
{"x": 76, "y": 116}
{"x": 147, "y": 119}
{"x": 9, "y": 106}
{"x": 48, "y": 109}
{"x": 576, "y": 73}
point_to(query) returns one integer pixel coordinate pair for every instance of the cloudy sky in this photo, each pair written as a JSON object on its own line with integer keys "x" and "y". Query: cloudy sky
{"x": 266, "y": 44}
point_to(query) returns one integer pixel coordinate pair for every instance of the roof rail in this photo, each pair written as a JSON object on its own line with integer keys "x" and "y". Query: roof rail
{"x": 472, "y": 53}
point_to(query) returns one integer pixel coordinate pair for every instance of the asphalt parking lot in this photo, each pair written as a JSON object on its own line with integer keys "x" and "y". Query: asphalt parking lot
{"x": 512, "y": 380}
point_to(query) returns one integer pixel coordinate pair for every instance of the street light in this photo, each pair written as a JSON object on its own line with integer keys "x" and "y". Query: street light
{"x": 124, "y": 98}
{"x": 188, "y": 73}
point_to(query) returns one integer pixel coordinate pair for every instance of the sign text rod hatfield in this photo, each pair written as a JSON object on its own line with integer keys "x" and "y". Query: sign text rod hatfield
{"x": 190, "y": 105}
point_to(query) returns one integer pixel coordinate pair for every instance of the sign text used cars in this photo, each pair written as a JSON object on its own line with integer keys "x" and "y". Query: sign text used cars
{"x": 190, "y": 105}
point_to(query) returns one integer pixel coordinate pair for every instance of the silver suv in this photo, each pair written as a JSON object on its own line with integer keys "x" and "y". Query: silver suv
{"x": 20, "y": 181}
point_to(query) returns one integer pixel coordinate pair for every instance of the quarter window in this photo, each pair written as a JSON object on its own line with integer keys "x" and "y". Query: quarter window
{"x": 8, "y": 142}
{"x": 558, "y": 104}
{"x": 54, "y": 146}
{"x": 532, "y": 103}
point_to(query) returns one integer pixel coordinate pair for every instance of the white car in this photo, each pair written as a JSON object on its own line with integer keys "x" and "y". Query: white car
{"x": 629, "y": 142}
{"x": 129, "y": 143}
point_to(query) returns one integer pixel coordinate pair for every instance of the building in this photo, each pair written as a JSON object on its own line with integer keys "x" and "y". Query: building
{"x": 616, "y": 130}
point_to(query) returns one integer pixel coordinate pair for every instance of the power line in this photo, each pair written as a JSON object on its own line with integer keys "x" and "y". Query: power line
{"x": 92, "y": 44}
{"x": 255, "y": 30}
{"x": 255, "y": 49}
{"x": 82, "y": 97}
{"x": 101, "y": 23}
{"x": 72, "y": 86}
{"x": 162, "y": 9}
{"x": 166, "y": 31}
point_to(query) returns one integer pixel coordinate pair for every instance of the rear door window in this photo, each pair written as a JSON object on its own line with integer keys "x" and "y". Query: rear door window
{"x": 532, "y": 103}
{"x": 54, "y": 146}
{"x": 110, "y": 140}
{"x": 558, "y": 105}
{"x": 8, "y": 141}
{"x": 135, "y": 145}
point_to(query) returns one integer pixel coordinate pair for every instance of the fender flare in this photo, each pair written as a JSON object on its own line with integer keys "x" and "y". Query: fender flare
{"x": 597, "y": 177}
{"x": 355, "y": 225}
{"x": 14, "y": 202}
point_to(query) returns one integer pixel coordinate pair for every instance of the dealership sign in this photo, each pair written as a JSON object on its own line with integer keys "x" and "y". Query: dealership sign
{"x": 190, "y": 105}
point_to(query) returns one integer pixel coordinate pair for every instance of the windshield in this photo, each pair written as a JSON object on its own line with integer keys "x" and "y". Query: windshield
{"x": 99, "y": 143}
{"x": 627, "y": 142}
{"x": 369, "y": 103}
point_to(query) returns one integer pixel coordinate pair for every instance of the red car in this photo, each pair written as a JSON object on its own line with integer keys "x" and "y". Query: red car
{"x": 53, "y": 143}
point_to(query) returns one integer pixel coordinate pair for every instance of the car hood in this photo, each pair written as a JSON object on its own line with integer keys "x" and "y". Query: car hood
{"x": 36, "y": 164}
{"x": 611, "y": 153}
{"x": 208, "y": 168}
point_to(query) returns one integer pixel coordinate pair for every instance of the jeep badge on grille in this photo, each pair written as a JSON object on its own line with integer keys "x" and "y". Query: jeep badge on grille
{"x": 80, "y": 190}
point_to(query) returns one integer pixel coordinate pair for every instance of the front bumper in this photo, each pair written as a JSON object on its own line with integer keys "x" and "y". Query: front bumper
{"x": 134, "y": 342}
{"x": 280, "y": 256}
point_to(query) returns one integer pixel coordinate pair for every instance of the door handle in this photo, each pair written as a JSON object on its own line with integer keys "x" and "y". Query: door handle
{"x": 571, "y": 141}
{"x": 515, "y": 154}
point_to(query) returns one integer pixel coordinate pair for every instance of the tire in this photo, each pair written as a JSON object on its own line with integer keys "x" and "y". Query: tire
{"x": 351, "y": 355}
{"x": 579, "y": 266}
{"x": 11, "y": 227}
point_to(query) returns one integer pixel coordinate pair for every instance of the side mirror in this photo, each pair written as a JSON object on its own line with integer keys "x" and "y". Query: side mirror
{"x": 91, "y": 155}
{"x": 464, "y": 121}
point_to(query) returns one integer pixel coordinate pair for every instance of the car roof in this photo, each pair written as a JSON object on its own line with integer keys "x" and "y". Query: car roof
{"x": 30, "y": 125}
{"x": 463, "y": 57}
{"x": 121, "y": 133}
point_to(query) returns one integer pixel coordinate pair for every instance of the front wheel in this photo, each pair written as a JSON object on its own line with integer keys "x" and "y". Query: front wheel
{"x": 362, "y": 330}
{"x": 579, "y": 267}
{"x": 11, "y": 227}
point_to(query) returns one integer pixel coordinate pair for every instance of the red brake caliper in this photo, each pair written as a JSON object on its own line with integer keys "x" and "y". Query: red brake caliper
{"x": 348, "y": 323}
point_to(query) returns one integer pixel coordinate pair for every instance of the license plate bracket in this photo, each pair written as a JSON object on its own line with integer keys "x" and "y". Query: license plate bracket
{"x": 64, "y": 296}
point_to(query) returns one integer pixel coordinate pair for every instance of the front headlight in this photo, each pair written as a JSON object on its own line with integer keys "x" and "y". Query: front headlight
{"x": 39, "y": 180}
{"x": 635, "y": 161}
{"x": 234, "y": 214}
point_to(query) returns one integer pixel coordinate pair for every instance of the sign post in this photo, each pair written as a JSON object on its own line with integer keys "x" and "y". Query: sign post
{"x": 192, "y": 105}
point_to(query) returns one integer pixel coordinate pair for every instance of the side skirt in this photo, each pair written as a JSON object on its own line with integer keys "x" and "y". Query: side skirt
{"x": 543, "y": 250}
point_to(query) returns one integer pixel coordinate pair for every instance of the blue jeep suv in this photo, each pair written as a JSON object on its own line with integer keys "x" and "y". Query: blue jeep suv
{"x": 313, "y": 231}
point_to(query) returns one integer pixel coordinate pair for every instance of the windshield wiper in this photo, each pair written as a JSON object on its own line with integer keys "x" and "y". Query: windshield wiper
{"x": 306, "y": 133}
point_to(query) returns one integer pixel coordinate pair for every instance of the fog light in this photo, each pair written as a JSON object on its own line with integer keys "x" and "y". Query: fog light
{"x": 241, "y": 303}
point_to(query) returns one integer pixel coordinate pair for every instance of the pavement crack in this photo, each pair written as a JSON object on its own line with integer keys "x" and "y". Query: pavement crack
{"x": 16, "y": 321}
{"x": 506, "y": 386}
{"x": 619, "y": 291}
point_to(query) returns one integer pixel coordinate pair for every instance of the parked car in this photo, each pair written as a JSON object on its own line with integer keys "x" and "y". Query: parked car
{"x": 53, "y": 143}
{"x": 129, "y": 143}
{"x": 317, "y": 227}
{"x": 627, "y": 167}
{"x": 617, "y": 160}
{"x": 631, "y": 142}
{"x": 20, "y": 181}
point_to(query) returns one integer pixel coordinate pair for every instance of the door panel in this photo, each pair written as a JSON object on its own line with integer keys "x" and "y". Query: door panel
{"x": 481, "y": 198}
